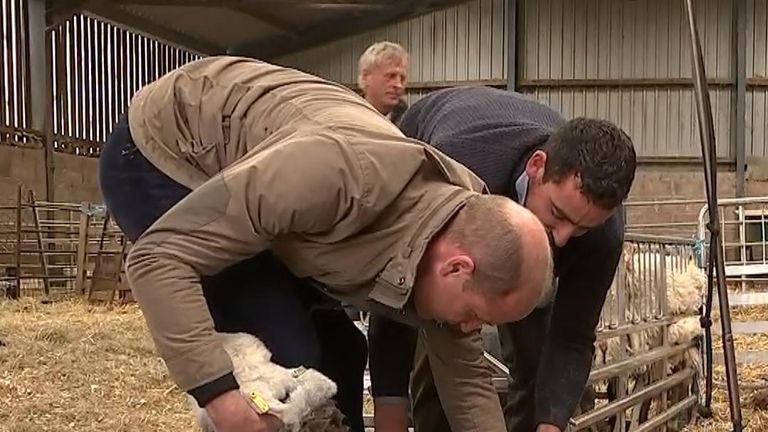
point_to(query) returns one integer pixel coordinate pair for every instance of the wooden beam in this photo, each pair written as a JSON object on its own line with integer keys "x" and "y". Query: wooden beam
{"x": 108, "y": 11}
{"x": 50, "y": 167}
{"x": 342, "y": 6}
{"x": 82, "y": 249}
{"x": 345, "y": 25}
{"x": 36, "y": 22}
{"x": 635, "y": 82}
{"x": 264, "y": 15}
{"x": 261, "y": 9}
{"x": 527, "y": 85}
{"x": 303, "y": 3}
{"x": 57, "y": 12}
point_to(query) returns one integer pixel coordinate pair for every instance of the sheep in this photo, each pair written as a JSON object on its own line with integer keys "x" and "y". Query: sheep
{"x": 300, "y": 397}
{"x": 684, "y": 292}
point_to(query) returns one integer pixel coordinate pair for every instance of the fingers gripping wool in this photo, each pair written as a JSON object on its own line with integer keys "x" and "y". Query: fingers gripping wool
{"x": 301, "y": 398}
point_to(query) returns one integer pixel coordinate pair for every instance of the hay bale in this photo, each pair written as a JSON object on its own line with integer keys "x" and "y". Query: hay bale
{"x": 69, "y": 366}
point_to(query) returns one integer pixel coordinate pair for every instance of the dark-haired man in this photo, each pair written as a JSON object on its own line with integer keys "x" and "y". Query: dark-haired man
{"x": 574, "y": 177}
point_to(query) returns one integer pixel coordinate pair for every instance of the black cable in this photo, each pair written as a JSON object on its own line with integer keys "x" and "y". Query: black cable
{"x": 706, "y": 323}
{"x": 709, "y": 153}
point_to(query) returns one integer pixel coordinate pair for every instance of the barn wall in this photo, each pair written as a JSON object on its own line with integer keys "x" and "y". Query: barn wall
{"x": 86, "y": 100}
{"x": 75, "y": 177}
{"x": 465, "y": 43}
{"x": 627, "y": 61}
{"x": 757, "y": 71}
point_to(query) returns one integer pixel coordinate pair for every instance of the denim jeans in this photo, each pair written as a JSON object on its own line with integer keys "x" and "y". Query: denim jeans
{"x": 300, "y": 325}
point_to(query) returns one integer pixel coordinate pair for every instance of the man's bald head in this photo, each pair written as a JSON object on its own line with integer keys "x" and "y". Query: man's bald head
{"x": 498, "y": 249}
{"x": 502, "y": 236}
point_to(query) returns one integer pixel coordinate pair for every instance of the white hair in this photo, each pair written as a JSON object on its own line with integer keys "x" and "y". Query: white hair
{"x": 377, "y": 52}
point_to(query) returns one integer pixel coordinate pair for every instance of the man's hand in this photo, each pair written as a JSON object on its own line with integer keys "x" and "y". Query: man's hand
{"x": 231, "y": 412}
{"x": 547, "y": 428}
{"x": 390, "y": 417}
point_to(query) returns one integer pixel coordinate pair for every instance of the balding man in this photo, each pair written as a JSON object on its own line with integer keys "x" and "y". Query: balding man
{"x": 256, "y": 194}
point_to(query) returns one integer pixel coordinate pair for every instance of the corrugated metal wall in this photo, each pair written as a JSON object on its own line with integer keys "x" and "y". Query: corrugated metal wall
{"x": 757, "y": 71}
{"x": 459, "y": 44}
{"x": 624, "y": 60}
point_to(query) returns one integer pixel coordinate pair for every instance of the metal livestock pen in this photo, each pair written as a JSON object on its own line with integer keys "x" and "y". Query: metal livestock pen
{"x": 641, "y": 380}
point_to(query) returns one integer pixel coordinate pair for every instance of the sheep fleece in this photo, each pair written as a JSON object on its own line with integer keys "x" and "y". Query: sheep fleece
{"x": 302, "y": 390}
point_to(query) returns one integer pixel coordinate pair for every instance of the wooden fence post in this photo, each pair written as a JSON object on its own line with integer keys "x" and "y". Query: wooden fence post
{"x": 40, "y": 244}
{"x": 82, "y": 250}
{"x": 17, "y": 290}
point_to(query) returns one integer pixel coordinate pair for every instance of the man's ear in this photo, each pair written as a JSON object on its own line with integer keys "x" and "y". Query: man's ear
{"x": 364, "y": 79}
{"x": 457, "y": 265}
{"x": 535, "y": 165}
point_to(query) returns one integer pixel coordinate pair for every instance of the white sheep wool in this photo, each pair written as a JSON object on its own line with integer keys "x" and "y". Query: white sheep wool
{"x": 289, "y": 394}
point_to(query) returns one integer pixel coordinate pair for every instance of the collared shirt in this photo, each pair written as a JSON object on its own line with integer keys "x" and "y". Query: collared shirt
{"x": 521, "y": 186}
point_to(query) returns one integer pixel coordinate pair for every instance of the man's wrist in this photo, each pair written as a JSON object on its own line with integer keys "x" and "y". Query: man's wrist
{"x": 209, "y": 391}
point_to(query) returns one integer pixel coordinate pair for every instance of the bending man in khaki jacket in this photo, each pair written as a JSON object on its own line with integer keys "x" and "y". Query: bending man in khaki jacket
{"x": 256, "y": 166}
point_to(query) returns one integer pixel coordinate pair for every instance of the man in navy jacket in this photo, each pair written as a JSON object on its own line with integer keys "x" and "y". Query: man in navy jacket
{"x": 574, "y": 175}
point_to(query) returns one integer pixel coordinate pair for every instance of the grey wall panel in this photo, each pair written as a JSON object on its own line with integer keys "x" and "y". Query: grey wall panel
{"x": 414, "y": 95}
{"x": 642, "y": 43}
{"x": 756, "y": 137}
{"x": 620, "y": 39}
{"x": 757, "y": 38}
{"x": 661, "y": 122}
{"x": 640, "y": 47}
{"x": 462, "y": 43}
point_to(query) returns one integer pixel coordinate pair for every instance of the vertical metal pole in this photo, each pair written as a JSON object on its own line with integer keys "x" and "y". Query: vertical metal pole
{"x": 739, "y": 107}
{"x": 511, "y": 44}
{"x": 38, "y": 70}
{"x": 709, "y": 153}
{"x": 39, "y": 96}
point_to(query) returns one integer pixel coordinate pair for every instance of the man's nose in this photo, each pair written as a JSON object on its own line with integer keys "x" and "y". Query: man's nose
{"x": 470, "y": 326}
